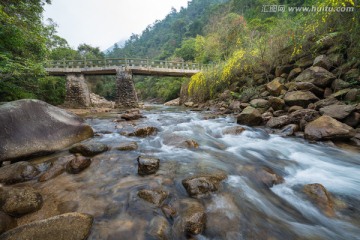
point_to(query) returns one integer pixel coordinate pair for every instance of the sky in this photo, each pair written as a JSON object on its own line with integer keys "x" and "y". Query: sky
{"x": 101, "y": 23}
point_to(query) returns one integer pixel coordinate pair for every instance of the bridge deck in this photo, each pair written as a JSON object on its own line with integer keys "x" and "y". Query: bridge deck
{"x": 136, "y": 66}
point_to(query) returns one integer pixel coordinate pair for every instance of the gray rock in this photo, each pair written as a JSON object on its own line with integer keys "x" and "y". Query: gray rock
{"x": 340, "y": 94}
{"x": 353, "y": 120}
{"x": 127, "y": 146}
{"x": 33, "y": 127}
{"x": 147, "y": 165}
{"x": 159, "y": 228}
{"x": 289, "y": 130}
{"x": 316, "y": 75}
{"x": 153, "y": 196}
{"x": 69, "y": 226}
{"x": 294, "y": 73}
{"x": 327, "y": 102}
{"x": 250, "y": 116}
{"x": 338, "y": 112}
{"x": 339, "y": 84}
{"x": 18, "y": 172}
{"x": 202, "y": 185}
{"x": 278, "y": 122}
{"x": 89, "y": 149}
{"x": 300, "y": 98}
{"x": 322, "y": 61}
{"x": 328, "y": 128}
{"x": 193, "y": 218}
{"x": 276, "y": 103}
{"x": 305, "y": 86}
{"x": 353, "y": 95}
{"x": 259, "y": 103}
{"x": 236, "y": 130}
{"x": 21, "y": 201}
{"x": 78, "y": 164}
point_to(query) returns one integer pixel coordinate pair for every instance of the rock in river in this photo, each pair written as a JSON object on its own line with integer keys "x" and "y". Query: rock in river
{"x": 202, "y": 185}
{"x": 318, "y": 194}
{"x": 20, "y": 201}
{"x": 32, "y": 127}
{"x": 153, "y": 196}
{"x": 144, "y": 132}
{"x": 328, "y": 128}
{"x": 250, "y": 116}
{"x": 147, "y": 165}
{"x": 78, "y": 164}
{"x": 127, "y": 146}
{"x": 18, "y": 172}
{"x": 69, "y": 226}
{"x": 193, "y": 218}
{"x": 89, "y": 149}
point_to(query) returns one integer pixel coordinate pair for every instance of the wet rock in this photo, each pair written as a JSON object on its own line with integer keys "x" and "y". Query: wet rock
{"x": 180, "y": 141}
{"x": 276, "y": 103}
{"x": 18, "y": 172}
{"x": 339, "y": 84}
{"x": 153, "y": 196}
{"x": 57, "y": 129}
{"x": 327, "y": 102}
{"x": 131, "y": 116}
{"x": 322, "y": 61}
{"x": 159, "y": 228}
{"x": 263, "y": 175}
{"x": 57, "y": 168}
{"x": 21, "y": 201}
{"x": 316, "y": 75}
{"x": 259, "y": 103}
{"x": 250, "y": 116}
{"x": 89, "y": 149}
{"x": 144, "y": 132}
{"x": 294, "y": 73}
{"x": 328, "y": 128}
{"x": 69, "y": 226}
{"x": 189, "y": 104}
{"x": 289, "y": 130}
{"x": 6, "y": 223}
{"x": 68, "y": 206}
{"x": 169, "y": 211}
{"x": 300, "y": 98}
{"x": 193, "y": 218}
{"x": 202, "y": 185}
{"x": 174, "y": 102}
{"x": 340, "y": 94}
{"x": 147, "y": 165}
{"x": 266, "y": 116}
{"x": 275, "y": 87}
{"x": 127, "y": 146}
{"x": 78, "y": 164}
{"x": 338, "y": 112}
{"x": 236, "y": 130}
{"x": 278, "y": 122}
{"x": 318, "y": 194}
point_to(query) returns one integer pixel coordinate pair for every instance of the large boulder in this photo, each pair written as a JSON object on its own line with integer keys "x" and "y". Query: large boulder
{"x": 316, "y": 75}
{"x": 31, "y": 127}
{"x": 20, "y": 201}
{"x": 202, "y": 185}
{"x": 69, "y": 226}
{"x": 250, "y": 116}
{"x": 275, "y": 86}
{"x": 18, "y": 172}
{"x": 338, "y": 112}
{"x": 327, "y": 102}
{"x": 305, "y": 86}
{"x": 328, "y": 128}
{"x": 300, "y": 98}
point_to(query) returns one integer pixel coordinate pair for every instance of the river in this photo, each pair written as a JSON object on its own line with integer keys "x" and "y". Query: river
{"x": 242, "y": 208}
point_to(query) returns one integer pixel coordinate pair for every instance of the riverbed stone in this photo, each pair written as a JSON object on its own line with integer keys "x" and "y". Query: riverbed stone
{"x": 144, "y": 132}
{"x": 307, "y": 115}
{"x": 317, "y": 75}
{"x": 180, "y": 141}
{"x": 305, "y": 86}
{"x": 294, "y": 73}
{"x": 21, "y": 201}
{"x": 259, "y": 103}
{"x": 193, "y": 218}
{"x": 236, "y": 130}
{"x": 318, "y": 194}
{"x": 328, "y": 128}
{"x": 174, "y": 102}
{"x": 89, "y": 149}
{"x": 339, "y": 84}
{"x": 147, "y": 165}
{"x": 289, "y": 130}
{"x": 78, "y": 164}
{"x": 322, "y": 61}
{"x": 202, "y": 185}
{"x": 300, "y": 98}
{"x": 276, "y": 103}
{"x": 155, "y": 196}
{"x": 353, "y": 120}
{"x": 159, "y": 228}
{"x": 327, "y": 102}
{"x": 338, "y": 112}
{"x": 18, "y": 172}
{"x": 127, "y": 146}
{"x": 33, "y": 127}
{"x": 57, "y": 168}
{"x": 249, "y": 116}
{"x": 69, "y": 226}
{"x": 169, "y": 211}
{"x": 340, "y": 94}
{"x": 262, "y": 175}
{"x": 6, "y": 222}
{"x": 278, "y": 122}
{"x": 275, "y": 86}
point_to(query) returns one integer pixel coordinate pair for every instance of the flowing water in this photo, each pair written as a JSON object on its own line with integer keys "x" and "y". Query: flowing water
{"x": 242, "y": 208}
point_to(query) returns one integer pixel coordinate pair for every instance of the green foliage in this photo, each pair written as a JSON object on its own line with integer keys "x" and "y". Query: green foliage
{"x": 187, "y": 50}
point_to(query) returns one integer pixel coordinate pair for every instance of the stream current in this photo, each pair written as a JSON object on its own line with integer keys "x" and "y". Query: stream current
{"x": 240, "y": 209}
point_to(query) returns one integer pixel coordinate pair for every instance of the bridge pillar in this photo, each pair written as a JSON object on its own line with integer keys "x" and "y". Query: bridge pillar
{"x": 125, "y": 90}
{"x": 77, "y": 92}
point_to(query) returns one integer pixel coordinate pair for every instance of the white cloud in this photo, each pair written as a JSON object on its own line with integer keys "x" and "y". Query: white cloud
{"x": 101, "y": 23}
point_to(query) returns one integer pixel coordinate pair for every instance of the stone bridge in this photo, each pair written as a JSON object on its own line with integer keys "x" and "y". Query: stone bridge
{"x": 77, "y": 93}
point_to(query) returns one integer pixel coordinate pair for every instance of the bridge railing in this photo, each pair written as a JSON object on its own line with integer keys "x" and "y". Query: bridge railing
{"x": 126, "y": 63}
